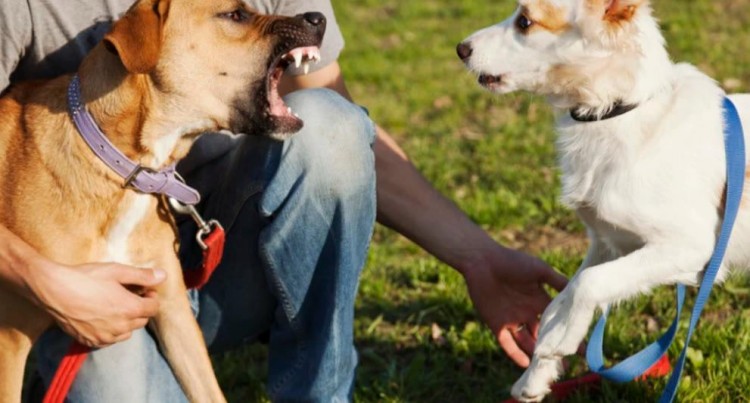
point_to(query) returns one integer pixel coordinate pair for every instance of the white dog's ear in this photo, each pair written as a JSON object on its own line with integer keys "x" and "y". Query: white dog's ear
{"x": 619, "y": 11}
{"x": 611, "y": 23}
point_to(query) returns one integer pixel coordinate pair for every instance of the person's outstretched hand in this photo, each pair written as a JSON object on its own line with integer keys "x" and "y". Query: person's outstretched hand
{"x": 98, "y": 304}
{"x": 507, "y": 292}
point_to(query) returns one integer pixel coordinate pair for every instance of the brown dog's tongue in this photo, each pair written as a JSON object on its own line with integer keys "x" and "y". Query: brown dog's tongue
{"x": 276, "y": 105}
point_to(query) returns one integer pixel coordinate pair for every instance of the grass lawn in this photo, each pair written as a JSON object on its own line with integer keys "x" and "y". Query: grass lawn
{"x": 494, "y": 157}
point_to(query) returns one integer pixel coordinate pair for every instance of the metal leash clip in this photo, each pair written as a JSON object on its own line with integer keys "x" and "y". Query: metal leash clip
{"x": 204, "y": 227}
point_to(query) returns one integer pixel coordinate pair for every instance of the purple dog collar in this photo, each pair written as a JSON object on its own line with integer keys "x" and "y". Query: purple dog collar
{"x": 143, "y": 179}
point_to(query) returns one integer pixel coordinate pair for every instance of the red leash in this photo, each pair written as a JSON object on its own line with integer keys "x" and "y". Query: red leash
{"x": 211, "y": 239}
{"x": 212, "y": 253}
{"x": 562, "y": 390}
{"x": 66, "y": 373}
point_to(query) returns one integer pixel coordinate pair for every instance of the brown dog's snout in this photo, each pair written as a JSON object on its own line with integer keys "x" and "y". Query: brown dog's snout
{"x": 314, "y": 18}
{"x": 301, "y": 30}
{"x": 464, "y": 50}
{"x": 313, "y": 21}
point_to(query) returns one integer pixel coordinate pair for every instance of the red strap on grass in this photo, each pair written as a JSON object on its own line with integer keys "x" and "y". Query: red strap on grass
{"x": 562, "y": 390}
{"x": 658, "y": 370}
{"x": 76, "y": 355}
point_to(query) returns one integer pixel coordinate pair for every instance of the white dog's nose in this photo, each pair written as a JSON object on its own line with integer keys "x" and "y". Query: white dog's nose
{"x": 464, "y": 50}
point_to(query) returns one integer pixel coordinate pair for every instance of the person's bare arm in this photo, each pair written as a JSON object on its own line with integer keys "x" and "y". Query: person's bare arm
{"x": 89, "y": 302}
{"x": 505, "y": 285}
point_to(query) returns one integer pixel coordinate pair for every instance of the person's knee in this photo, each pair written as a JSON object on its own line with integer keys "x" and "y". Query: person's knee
{"x": 335, "y": 143}
{"x": 132, "y": 368}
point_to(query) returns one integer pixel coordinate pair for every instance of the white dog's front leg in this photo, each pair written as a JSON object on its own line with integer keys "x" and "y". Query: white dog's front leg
{"x": 564, "y": 326}
{"x": 566, "y": 320}
{"x": 563, "y": 307}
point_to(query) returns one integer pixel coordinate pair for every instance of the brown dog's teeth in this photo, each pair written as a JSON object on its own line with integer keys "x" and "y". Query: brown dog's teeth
{"x": 297, "y": 55}
{"x": 303, "y": 56}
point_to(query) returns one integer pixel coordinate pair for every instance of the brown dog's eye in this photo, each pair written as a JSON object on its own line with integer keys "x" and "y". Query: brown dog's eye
{"x": 238, "y": 15}
{"x": 523, "y": 23}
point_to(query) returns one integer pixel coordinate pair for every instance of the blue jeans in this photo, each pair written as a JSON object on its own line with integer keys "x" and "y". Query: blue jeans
{"x": 299, "y": 217}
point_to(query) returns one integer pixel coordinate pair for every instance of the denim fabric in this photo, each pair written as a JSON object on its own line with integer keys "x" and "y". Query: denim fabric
{"x": 299, "y": 217}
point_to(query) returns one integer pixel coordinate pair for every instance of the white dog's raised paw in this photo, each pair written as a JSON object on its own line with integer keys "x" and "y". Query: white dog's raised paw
{"x": 535, "y": 382}
{"x": 525, "y": 394}
{"x": 529, "y": 399}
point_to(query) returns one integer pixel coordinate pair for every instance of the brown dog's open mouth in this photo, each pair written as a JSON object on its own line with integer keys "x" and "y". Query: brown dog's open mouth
{"x": 284, "y": 118}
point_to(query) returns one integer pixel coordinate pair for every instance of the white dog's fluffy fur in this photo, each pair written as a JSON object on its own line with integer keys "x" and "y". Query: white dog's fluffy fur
{"x": 648, "y": 184}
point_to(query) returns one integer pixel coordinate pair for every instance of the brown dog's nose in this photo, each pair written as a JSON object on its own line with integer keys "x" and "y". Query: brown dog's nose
{"x": 464, "y": 50}
{"x": 314, "y": 18}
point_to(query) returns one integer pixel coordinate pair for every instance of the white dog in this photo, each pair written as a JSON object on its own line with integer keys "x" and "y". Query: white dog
{"x": 641, "y": 152}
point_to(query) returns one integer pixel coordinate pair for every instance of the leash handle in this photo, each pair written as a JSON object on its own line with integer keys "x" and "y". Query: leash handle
{"x": 634, "y": 366}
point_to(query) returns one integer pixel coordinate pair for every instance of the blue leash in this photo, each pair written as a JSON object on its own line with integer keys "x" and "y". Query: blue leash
{"x": 634, "y": 366}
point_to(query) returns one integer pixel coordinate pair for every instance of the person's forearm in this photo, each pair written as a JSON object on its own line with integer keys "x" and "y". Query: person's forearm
{"x": 17, "y": 261}
{"x": 406, "y": 201}
{"x": 408, "y": 204}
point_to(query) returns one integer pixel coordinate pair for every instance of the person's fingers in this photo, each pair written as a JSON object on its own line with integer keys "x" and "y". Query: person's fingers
{"x": 90, "y": 343}
{"x": 127, "y": 275}
{"x": 102, "y": 340}
{"x": 146, "y": 306}
{"x": 150, "y": 294}
{"x": 555, "y": 279}
{"x": 539, "y": 303}
{"x": 534, "y": 330}
{"x": 524, "y": 339}
{"x": 509, "y": 345}
{"x": 122, "y": 337}
{"x": 139, "y": 323}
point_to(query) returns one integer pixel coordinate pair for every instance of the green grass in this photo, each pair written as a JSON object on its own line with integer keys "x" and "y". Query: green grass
{"x": 494, "y": 157}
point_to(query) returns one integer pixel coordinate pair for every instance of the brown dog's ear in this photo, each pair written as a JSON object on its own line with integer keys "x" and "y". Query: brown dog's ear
{"x": 619, "y": 11}
{"x": 136, "y": 37}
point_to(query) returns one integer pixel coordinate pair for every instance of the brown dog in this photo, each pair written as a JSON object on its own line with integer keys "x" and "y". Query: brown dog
{"x": 168, "y": 71}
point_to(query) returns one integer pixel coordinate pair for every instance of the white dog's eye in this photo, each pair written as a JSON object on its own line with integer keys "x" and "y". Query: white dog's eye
{"x": 523, "y": 23}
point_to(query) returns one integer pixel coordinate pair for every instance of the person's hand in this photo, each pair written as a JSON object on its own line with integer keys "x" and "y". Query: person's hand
{"x": 98, "y": 304}
{"x": 506, "y": 289}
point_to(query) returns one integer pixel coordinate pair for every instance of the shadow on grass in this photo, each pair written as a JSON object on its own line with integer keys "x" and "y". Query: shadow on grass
{"x": 403, "y": 357}
{"x": 424, "y": 350}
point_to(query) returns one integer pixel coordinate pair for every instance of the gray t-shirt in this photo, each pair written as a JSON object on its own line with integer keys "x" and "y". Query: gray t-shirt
{"x": 47, "y": 38}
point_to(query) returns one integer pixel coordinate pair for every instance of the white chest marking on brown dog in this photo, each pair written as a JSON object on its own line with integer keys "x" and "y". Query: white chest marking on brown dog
{"x": 136, "y": 207}
{"x": 164, "y": 146}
